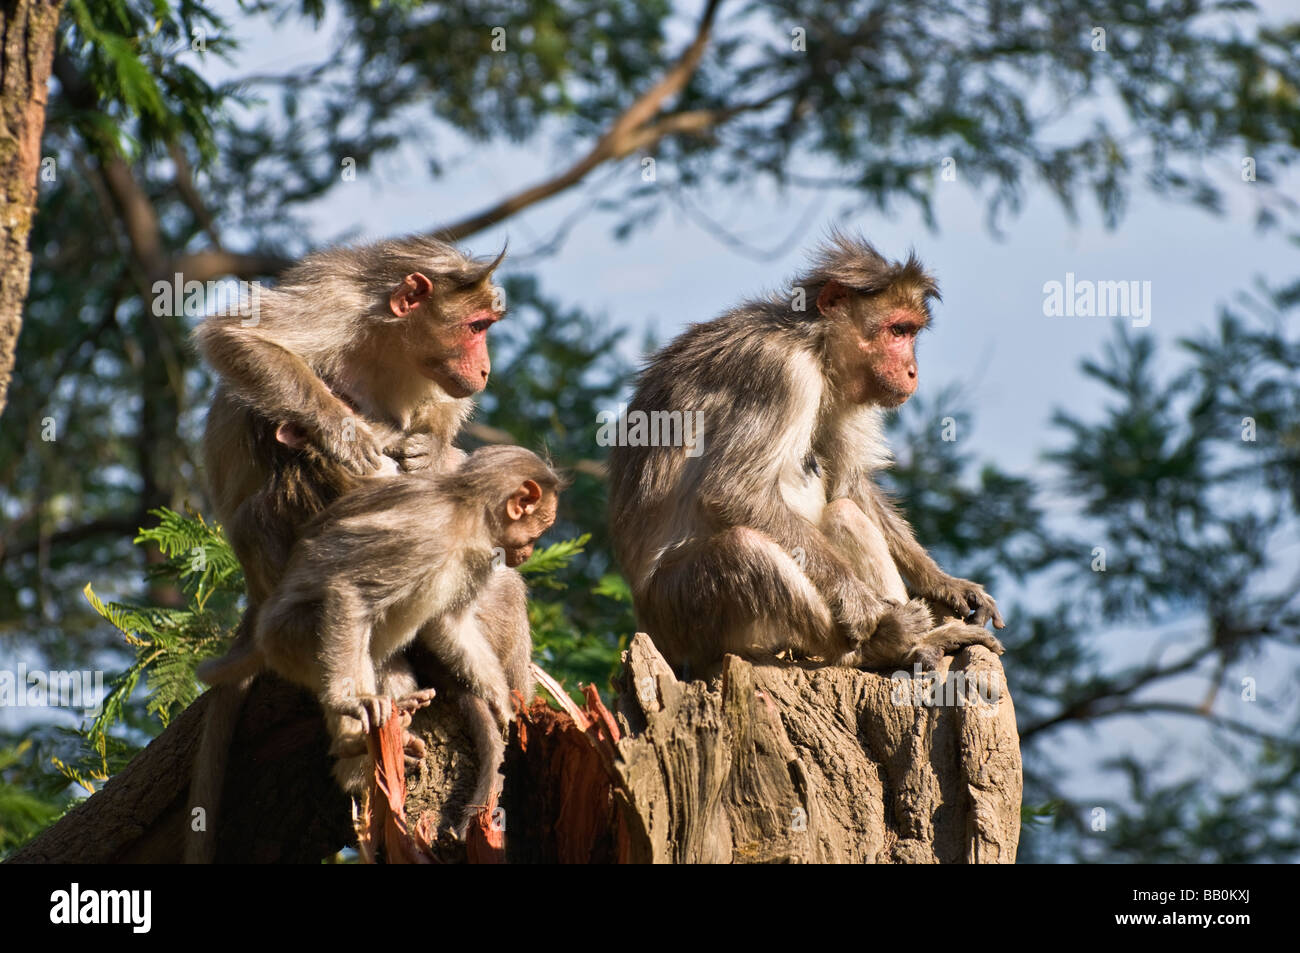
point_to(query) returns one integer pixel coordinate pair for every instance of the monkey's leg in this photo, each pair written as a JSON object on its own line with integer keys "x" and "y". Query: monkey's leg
{"x": 459, "y": 643}
{"x": 397, "y": 687}
{"x": 502, "y": 613}
{"x": 738, "y": 592}
{"x": 489, "y": 749}
{"x": 907, "y": 632}
{"x": 966, "y": 599}
{"x": 863, "y": 544}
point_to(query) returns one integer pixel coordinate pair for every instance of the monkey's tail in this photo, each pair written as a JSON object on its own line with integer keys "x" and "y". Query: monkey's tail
{"x": 240, "y": 664}
{"x": 208, "y": 773}
{"x": 231, "y": 676}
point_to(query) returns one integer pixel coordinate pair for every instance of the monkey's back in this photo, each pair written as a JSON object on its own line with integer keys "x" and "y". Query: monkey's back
{"x": 735, "y": 372}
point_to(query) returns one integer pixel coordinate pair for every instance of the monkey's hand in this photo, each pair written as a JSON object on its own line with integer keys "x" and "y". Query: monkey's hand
{"x": 857, "y": 611}
{"x": 371, "y": 710}
{"x": 968, "y": 600}
{"x": 348, "y": 441}
{"x": 413, "y": 451}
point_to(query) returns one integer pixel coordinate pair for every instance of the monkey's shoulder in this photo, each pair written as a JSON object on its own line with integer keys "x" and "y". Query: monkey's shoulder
{"x": 731, "y": 364}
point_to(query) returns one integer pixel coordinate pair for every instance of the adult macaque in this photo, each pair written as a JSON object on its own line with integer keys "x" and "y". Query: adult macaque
{"x": 777, "y": 538}
{"x": 360, "y": 361}
{"x": 401, "y": 559}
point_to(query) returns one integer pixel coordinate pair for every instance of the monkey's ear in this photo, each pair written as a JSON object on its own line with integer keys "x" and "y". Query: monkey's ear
{"x": 407, "y": 296}
{"x": 291, "y": 435}
{"x": 832, "y": 294}
{"x": 524, "y": 500}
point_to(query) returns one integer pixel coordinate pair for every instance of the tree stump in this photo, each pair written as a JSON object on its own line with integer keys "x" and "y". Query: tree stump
{"x": 767, "y": 764}
{"x": 776, "y": 764}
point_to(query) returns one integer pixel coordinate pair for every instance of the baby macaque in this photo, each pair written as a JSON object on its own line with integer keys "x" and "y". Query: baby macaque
{"x": 402, "y": 559}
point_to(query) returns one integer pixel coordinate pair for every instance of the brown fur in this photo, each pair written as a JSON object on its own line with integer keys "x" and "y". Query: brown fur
{"x": 328, "y": 361}
{"x": 397, "y": 560}
{"x": 755, "y": 546}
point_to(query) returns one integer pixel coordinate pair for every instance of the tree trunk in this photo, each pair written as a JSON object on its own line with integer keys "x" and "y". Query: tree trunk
{"x": 774, "y": 764}
{"x": 769, "y": 764}
{"x": 27, "y": 39}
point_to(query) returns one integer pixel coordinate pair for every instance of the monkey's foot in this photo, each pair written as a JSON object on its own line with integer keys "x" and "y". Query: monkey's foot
{"x": 903, "y": 637}
{"x": 410, "y": 704}
{"x": 949, "y": 638}
{"x": 412, "y": 745}
{"x": 414, "y": 749}
{"x": 353, "y": 745}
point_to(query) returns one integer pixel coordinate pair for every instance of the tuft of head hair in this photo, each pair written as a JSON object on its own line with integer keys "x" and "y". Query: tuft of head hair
{"x": 852, "y": 261}
{"x": 491, "y": 474}
{"x": 377, "y": 268}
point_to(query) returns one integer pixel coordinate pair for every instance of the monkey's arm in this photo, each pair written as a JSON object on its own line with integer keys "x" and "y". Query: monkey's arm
{"x": 968, "y": 599}
{"x": 278, "y": 385}
{"x": 349, "y": 683}
{"x": 747, "y": 493}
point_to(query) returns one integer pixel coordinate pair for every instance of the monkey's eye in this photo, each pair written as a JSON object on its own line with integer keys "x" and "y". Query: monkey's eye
{"x": 900, "y": 330}
{"x": 478, "y": 327}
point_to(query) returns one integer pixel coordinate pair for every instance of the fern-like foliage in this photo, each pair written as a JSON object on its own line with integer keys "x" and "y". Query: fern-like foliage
{"x": 543, "y": 564}
{"x": 23, "y": 811}
{"x": 168, "y": 642}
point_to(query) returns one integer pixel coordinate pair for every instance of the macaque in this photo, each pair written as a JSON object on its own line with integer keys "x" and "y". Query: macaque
{"x": 361, "y": 361}
{"x": 399, "y": 560}
{"x": 776, "y": 538}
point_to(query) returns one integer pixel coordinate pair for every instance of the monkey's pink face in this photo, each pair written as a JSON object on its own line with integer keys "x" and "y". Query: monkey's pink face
{"x": 889, "y": 373}
{"x": 446, "y": 335}
{"x": 459, "y": 362}
{"x": 527, "y": 519}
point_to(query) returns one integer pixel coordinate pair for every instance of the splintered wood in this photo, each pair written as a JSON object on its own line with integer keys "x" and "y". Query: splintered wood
{"x": 383, "y": 832}
{"x": 772, "y": 764}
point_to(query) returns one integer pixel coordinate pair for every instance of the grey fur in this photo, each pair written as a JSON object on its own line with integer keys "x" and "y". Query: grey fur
{"x": 325, "y": 333}
{"x": 397, "y": 560}
{"x": 748, "y": 548}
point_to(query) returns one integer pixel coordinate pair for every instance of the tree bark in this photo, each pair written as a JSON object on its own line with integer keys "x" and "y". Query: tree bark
{"x": 280, "y": 803}
{"x": 27, "y": 39}
{"x": 774, "y": 764}
{"x": 768, "y": 764}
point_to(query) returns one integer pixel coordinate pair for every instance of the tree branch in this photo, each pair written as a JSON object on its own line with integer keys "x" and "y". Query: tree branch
{"x": 214, "y": 263}
{"x": 1195, "y": 711}
{"x": 184, "y": 182}
{"x": 1087, "y": 706}
{"x": 107, "y": 526}
{"x": 625, "y": 136}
